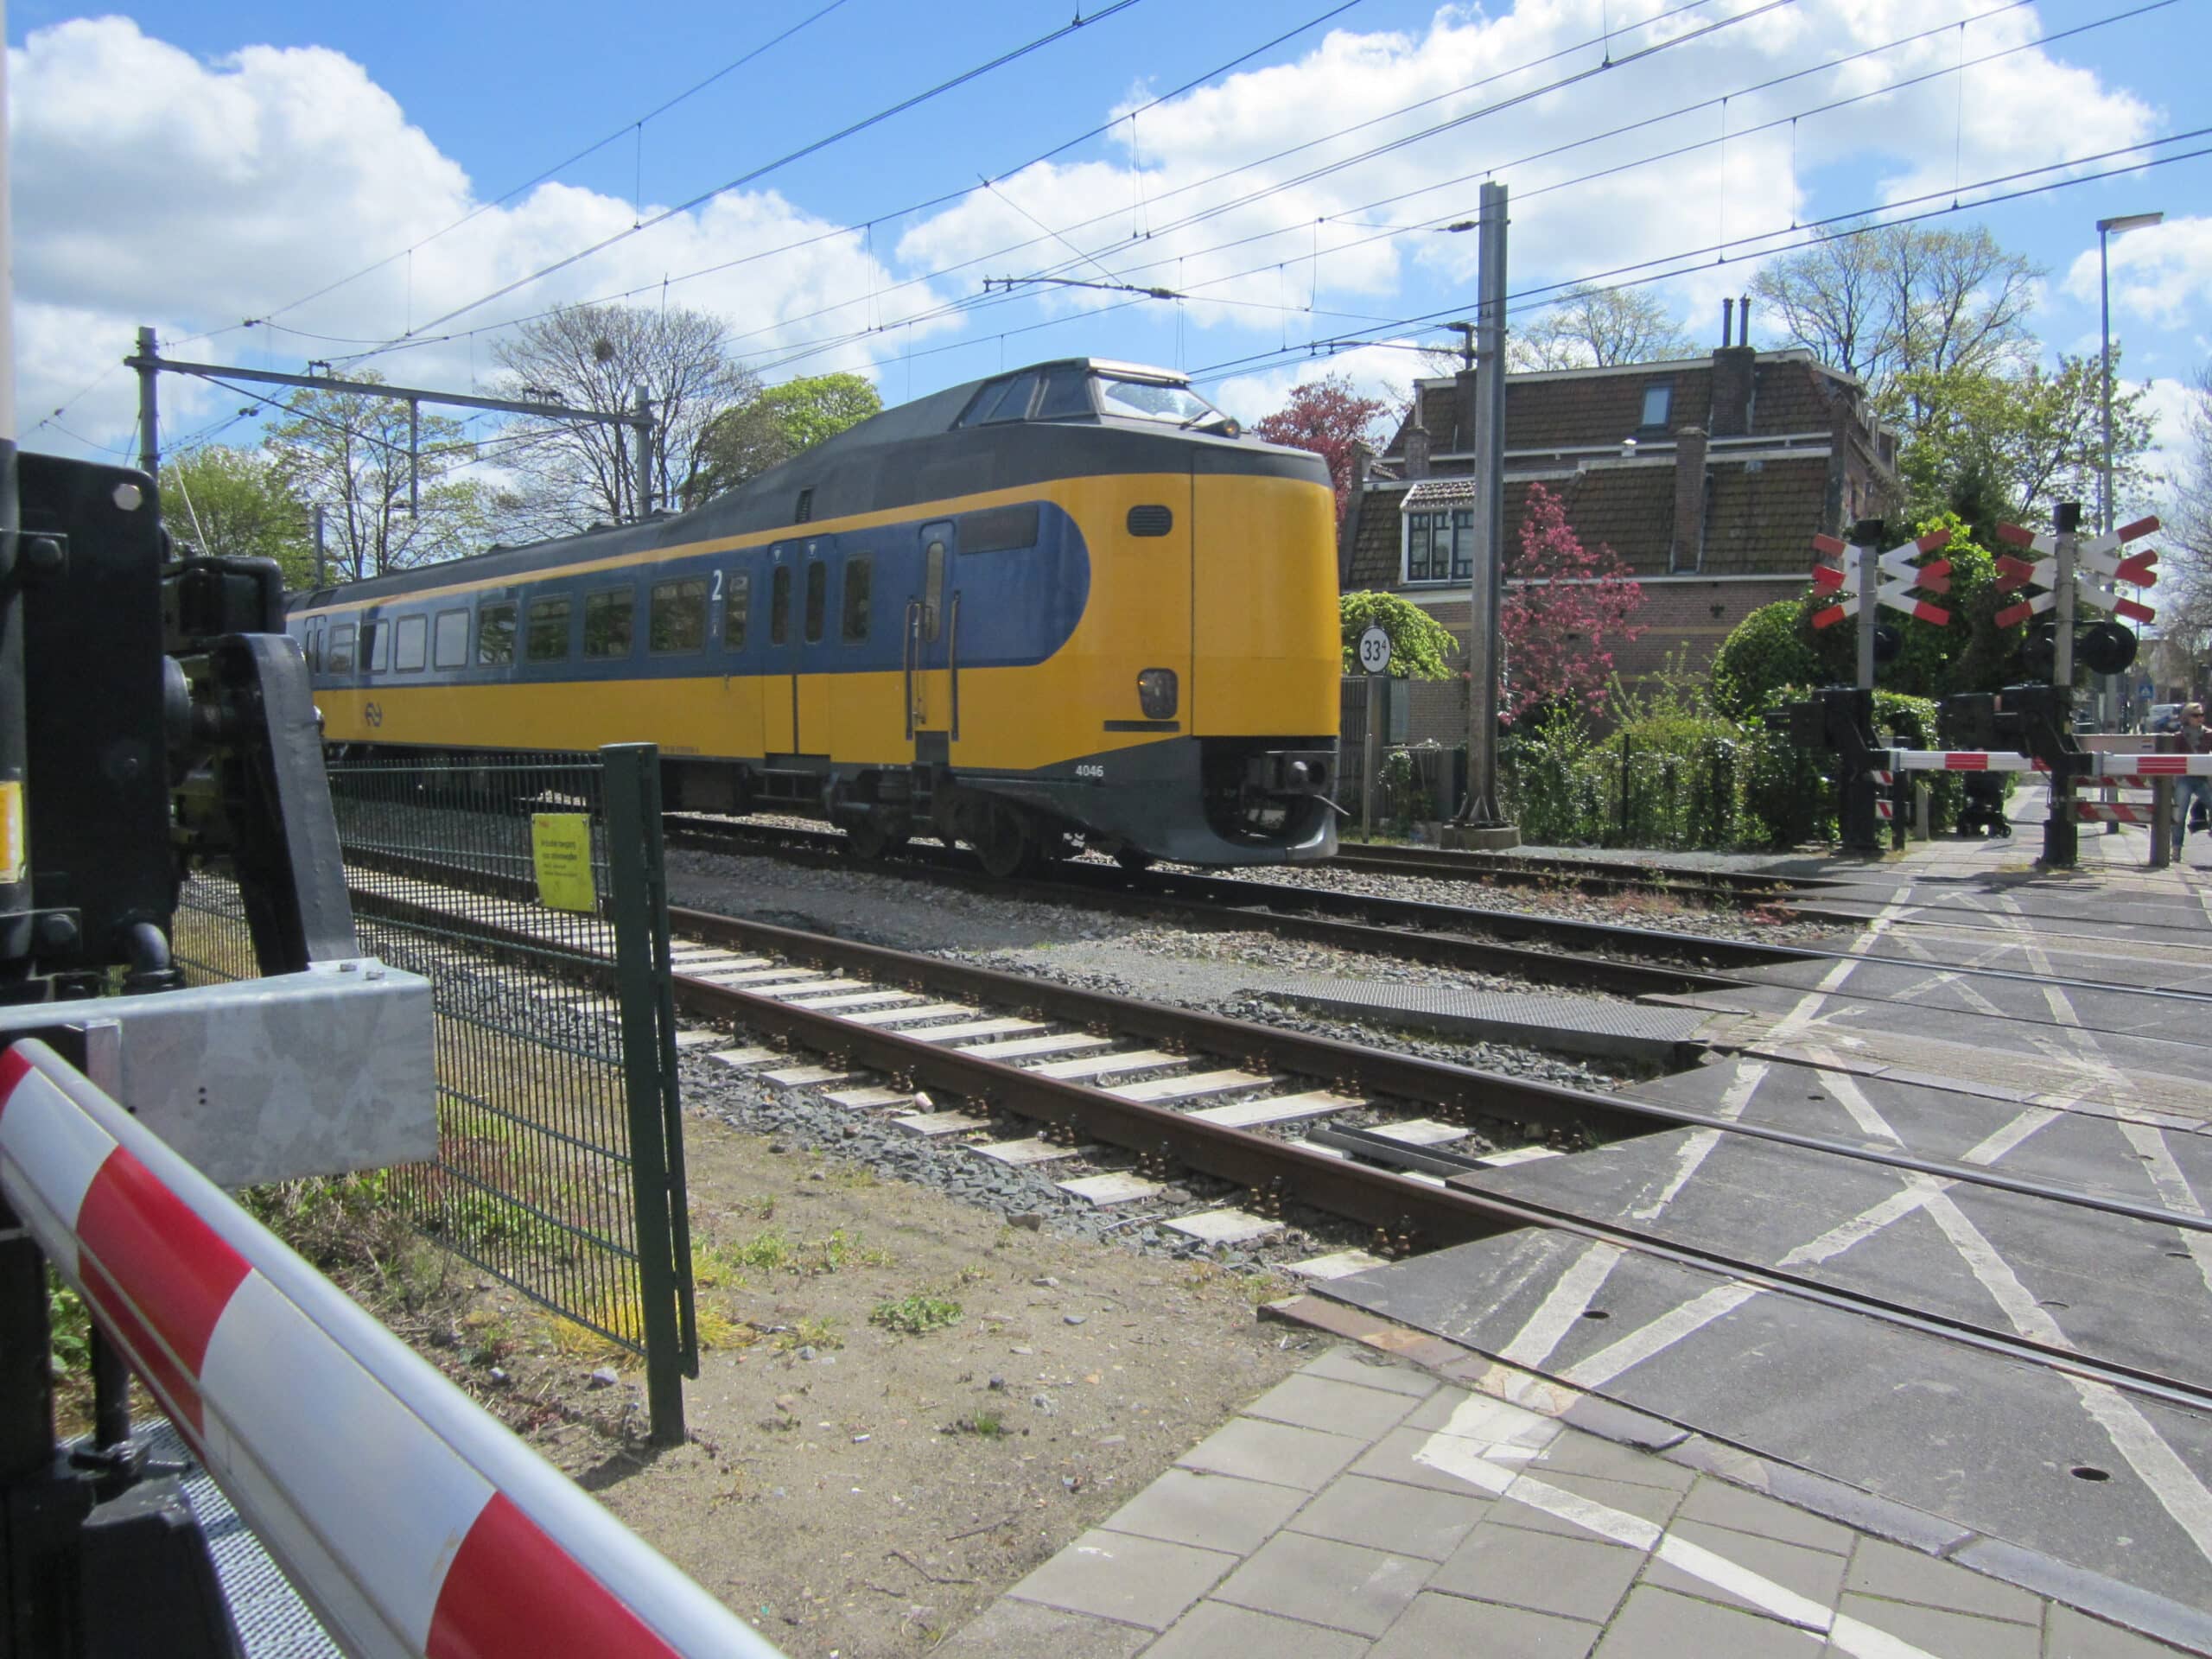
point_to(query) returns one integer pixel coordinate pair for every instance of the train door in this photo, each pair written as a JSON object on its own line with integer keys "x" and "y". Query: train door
{"x": 814, "y": 652}
{"x": 779, "y": 673}
{"x": 931, "y": 636}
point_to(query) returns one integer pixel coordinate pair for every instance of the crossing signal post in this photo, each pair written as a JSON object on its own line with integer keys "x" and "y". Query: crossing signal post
{"x": 1866, "y": 581}
{"x": 2072, "y": 571}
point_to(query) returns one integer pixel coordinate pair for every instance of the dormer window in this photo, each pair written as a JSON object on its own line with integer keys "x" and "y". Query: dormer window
{"x": 1657, "y": 401}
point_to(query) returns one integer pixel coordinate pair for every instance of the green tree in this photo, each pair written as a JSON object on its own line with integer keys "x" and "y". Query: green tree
{"x": 237, "y": 504}
{"x": 1993, "y": 446}
{"x": 1419, "y": 643}
{"x": 746, "y": 441}
{"x": 347, "y": 451}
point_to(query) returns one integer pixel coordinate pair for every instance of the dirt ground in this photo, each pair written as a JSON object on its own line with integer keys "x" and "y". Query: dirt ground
{"x": 909, "y": 1403}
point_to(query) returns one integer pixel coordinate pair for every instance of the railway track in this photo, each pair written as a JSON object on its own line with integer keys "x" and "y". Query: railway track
{"x": 1143, "y": 1092}
{"x": 1635, "y": 962}
{"x": 1631, "y": 961}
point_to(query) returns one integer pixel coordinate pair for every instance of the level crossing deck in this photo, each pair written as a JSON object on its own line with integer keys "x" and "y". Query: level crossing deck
{"x": 1586, "y": 1449}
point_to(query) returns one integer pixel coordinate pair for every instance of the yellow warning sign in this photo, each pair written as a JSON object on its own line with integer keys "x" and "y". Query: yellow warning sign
{"x": 12, "y": 840}
{"x": 560, "y": 846}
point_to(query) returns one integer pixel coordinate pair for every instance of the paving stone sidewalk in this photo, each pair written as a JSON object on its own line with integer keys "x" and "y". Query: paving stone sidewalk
{"x": 1367, "y": 1507}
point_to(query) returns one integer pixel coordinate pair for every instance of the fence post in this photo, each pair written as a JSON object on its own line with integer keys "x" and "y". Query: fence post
{"x": 1626, "y": 748}
{"x": 1368, "y": 761}
{"x": 2162, "y": 822}
{"x": 644, "y": 992}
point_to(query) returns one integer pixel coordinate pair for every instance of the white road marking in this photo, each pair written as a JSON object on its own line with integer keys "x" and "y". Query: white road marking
{"x": 2172, "y": 1482}
{"x": 1660, "y": 1334}
{"x": 1864, "y": 1224}
{"x": 1570, "y": 1295}
{"x": 1999, "y": 1142}
{"x": 1694, "y": 1150}
{"x": 1470, "y": 1451}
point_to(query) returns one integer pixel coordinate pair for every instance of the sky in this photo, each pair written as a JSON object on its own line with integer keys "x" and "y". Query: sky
{"x": 847, "y": 183}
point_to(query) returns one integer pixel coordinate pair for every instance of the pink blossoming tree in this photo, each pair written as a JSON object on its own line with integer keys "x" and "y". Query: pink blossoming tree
{"x": 1561, "y": 625}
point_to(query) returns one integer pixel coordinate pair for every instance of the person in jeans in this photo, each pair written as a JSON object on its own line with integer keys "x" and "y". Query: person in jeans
{"x": 2194, "y": 739}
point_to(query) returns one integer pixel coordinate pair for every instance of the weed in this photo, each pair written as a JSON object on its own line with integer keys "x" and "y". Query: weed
{"x": 917, "y": 1314}
{"x": 988, "y": 1424}
{"x": 774, "y": 1250}
{"x": 809, "y": 1333}
{"x": 69, "y": 1328}
{"x": 769, "y": 1250}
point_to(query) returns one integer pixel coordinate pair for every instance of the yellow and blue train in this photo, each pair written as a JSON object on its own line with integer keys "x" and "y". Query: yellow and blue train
{"x": 1068, "y": 605}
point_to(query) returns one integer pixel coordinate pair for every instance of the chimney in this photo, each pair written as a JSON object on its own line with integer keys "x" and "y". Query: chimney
{"x": 1734, "y": 368}
{"x": 1727, "y": 323}
{"x": 1416, "y": 441}
{"x": 1744, "y": 332}
{"x": 1362, "y": 458}
{"x": 1686, "y": 550}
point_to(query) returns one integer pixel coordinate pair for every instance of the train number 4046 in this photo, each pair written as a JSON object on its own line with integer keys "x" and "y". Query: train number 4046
{"x": 1090, "y": 771}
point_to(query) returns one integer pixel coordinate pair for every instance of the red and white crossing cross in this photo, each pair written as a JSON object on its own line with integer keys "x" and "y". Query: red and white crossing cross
{"x": 2097, "y": 569}
{"x": 1903, "y": 576}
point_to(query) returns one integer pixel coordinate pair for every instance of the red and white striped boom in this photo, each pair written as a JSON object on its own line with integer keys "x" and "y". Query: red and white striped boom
{"x": 411, "y": 1520}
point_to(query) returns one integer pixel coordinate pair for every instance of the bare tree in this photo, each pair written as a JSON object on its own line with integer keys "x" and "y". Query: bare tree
{"x": 2185, "y": 594}
{"x": 1898, "y": 303}
{"x": 1592, "y": 327}
{"x": 1588, "y": 327}
{"x": 383, "y": 511}
{"x": 601, "y": 357}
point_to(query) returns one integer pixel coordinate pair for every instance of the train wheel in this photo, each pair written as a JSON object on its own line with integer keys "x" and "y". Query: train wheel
{"x": 1008, "y": 841}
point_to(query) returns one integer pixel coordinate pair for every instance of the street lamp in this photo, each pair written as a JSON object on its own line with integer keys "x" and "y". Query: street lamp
{"x": 2106, "y": 229}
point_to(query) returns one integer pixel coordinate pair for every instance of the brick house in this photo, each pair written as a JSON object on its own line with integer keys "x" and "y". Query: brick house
{"x": 1709, "y": 476}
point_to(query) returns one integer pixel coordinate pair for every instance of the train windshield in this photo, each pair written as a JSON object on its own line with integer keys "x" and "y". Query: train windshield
{"x": 1149, "y": 400}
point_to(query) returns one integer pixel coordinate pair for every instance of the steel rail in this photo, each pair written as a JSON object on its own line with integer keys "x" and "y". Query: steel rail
{"x": 1590, "y": 874}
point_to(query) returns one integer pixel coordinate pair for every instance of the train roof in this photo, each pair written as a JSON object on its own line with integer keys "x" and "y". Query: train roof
{"x": 888, "y": 461}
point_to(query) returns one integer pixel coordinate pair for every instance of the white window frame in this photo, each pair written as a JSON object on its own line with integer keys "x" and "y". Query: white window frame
{"x": 1453, "y": 577}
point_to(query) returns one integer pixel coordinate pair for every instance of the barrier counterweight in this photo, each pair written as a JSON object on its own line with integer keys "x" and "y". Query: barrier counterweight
{"x": 411, "y": 1520}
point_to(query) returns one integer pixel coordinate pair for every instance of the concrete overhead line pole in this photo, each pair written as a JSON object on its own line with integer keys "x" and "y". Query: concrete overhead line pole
{"x": 1487, "y": 586}
{"x": 150, "y": 365}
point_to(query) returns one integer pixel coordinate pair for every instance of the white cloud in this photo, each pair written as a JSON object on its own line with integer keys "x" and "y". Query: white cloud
{"x": 221, "y": 190}
{"x": 2169, "y": 407}
{"x": 2161, "y": 274}
{"x": 1572, "y": 217}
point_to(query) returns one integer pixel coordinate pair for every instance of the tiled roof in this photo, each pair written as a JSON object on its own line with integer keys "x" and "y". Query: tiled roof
{"x": 1439, "y": 492}
{"x": 1375, "y": 547}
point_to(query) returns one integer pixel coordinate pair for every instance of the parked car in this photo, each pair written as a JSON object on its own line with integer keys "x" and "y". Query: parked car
{"x": 2162, "y": 717}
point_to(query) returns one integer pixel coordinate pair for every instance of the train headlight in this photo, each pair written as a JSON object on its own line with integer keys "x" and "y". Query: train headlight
{"x": 1158, "y": 693}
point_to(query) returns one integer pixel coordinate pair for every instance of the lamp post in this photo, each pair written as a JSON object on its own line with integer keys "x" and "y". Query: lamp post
{"x": 2106, "y": 229}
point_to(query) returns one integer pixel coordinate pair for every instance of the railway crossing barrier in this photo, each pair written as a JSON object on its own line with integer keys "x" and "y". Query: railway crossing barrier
{"x": 408, "y": 1517}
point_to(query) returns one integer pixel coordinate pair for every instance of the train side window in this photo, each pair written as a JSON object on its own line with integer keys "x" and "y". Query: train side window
{"x": 410, "y": 646}
{"x": 1011, "y": 405}
{"x": 734, "y": 607}
{"x": 449, "y": 639}
{"x": 495, "y": 634}
{"x": 1067, "y": 391}
{"x": 375, "y": 647}
{"x": 817, "y": 600}
{"x": 677, "y": 620}
{"x": 933, "y": 591}
{"x": 607, "y": 622}
{"x": 860, "y": 578}
{"x": 341, "y": 648}
{"x": 999, "y": 529}
{"x": 780, "y": 606}
{"x": 548, "y": 630}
